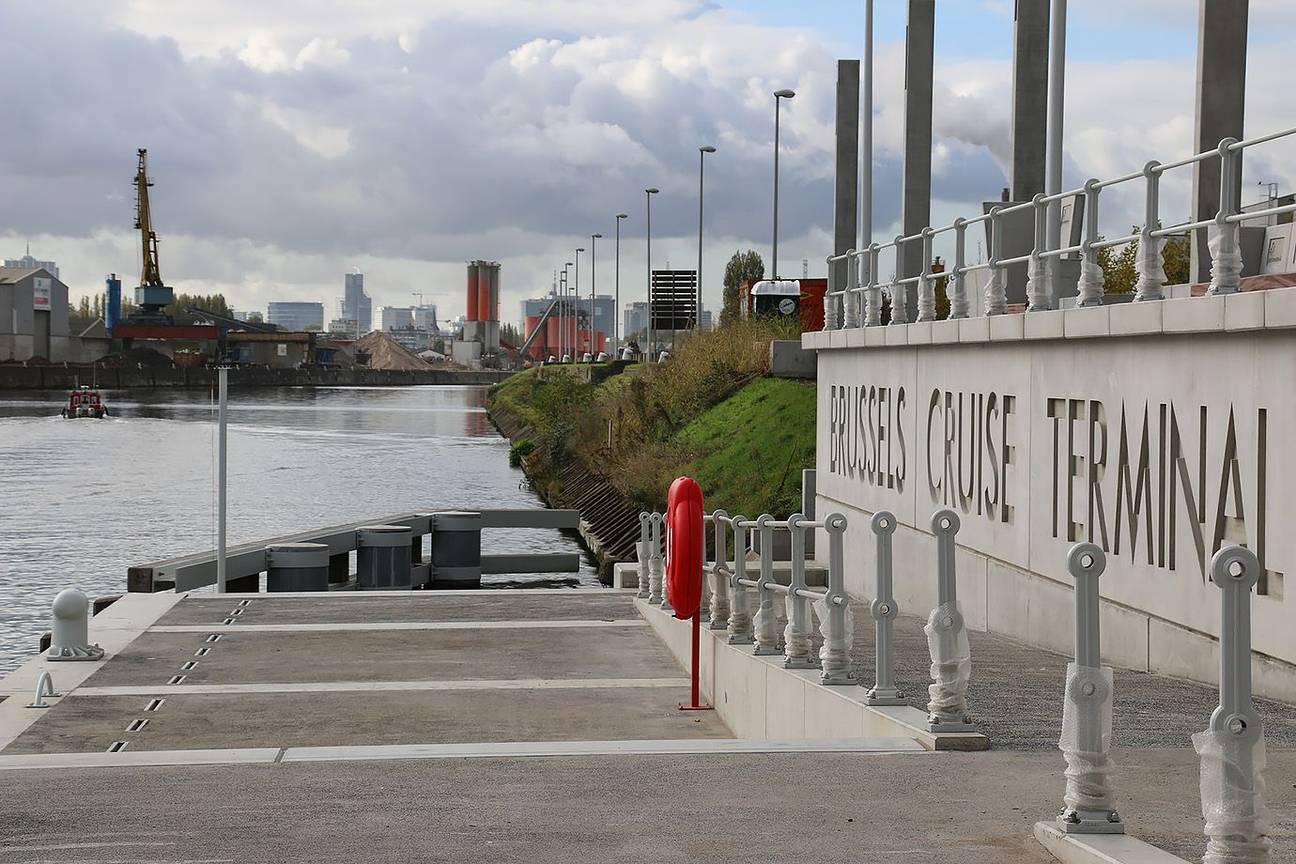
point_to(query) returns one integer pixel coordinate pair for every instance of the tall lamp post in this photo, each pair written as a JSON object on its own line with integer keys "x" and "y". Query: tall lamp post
{"x": 649, "y": 192}
{"x": 562, "y": 315}
{"x": 779, "y": 96}
{"x": 575, "y": 308}
{"x": 593, "y": 285}
{"x": 616, "y": 313}
{"x": 697, "y": 312}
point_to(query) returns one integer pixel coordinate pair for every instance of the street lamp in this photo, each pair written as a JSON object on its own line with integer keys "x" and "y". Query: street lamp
{"x": 562, "y": 314}
{"x": 593, "y": 262}
{"x": 649, "y": 192}
{"x": 697, "y": 312}
{"x": 576, "y": 308}
{"x": 779, "y": 96}
{"x": 616, "y": 313}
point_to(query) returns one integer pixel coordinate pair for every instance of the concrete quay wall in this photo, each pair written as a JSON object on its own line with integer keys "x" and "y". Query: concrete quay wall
{"x": 1160, "y": 436}
{"x": 60, "y": 377}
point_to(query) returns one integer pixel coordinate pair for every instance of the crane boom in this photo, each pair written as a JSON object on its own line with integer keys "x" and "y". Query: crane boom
{"x": 150, "y": 276}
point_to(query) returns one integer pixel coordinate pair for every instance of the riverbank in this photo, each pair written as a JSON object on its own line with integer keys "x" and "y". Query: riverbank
{"x": 67, "y": 377}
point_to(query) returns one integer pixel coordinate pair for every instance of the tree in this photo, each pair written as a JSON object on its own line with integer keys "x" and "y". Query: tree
{"x": 742, "y": 267}
{"x": 214, "y": 303}
{"x": 256, "y": 318}
{"x": 1120, "y": 275}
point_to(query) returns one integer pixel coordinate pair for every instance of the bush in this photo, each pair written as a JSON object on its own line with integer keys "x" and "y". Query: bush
{"x": 521, "y": 448}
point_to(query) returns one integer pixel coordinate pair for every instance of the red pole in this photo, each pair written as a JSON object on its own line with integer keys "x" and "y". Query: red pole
{"x": 697, "y": 637}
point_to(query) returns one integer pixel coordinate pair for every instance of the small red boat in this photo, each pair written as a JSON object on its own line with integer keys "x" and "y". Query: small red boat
{"x": 84, "y": 402}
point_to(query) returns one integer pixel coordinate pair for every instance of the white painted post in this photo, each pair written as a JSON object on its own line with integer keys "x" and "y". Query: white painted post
{"x": 947, "y": 637}
{"x": 1087, "y": 708}
{"x": 223, "y": 377}
{"x": 850, "y": 300}
{"x": 831, "y": 320}
{"x": 996, "y": 297}
{"x": 719, "y": 574}
{"x": 1151, "y": 273}
{"x": 70, "y": 630}
{"x": 899, "y": 304}
{"x": 926, "y": 287}
{"x": 958, "y": 279}
{"x": 1232, "y": 749}
{"x": 1226, "y": 258}
{"x": 835, "y": 620}
{"x": 873, "y": 316}
{"x": 740, "y": 622}
{"x": 1090, "y": 287}
{"x": 643, "y": 551}
{"x": 884, "y": 609}
{"x": 1037, "y": 288}
{"x": 796, "y": 635}
{"x": 765, "y": 624}
{"x": 655, "y": 564}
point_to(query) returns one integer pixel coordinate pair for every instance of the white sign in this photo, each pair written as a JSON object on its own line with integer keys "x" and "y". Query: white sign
{"x": 283, "y": 349}
{"x": 41, "y": 292}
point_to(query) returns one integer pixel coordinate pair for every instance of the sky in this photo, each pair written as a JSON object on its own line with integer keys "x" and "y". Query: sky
{"x": 293, "y": 141}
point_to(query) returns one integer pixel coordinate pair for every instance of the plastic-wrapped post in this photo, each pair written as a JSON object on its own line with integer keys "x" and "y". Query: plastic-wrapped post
{"x": 850, "y": 318}
{"x": 1148, "y": 264}
{"x": 996, "y": 299}
{"x": 947, "y": 638}
{"x": 656, "y": 566}
{"x": 740, "y": 622}
{"x": 958, "y": 279}
{"x": 884, "y": 609}
{"x": 719, "y": 574}
{"x": 899, "y": 302}
{"x": 796, "y": 635}
{"x": 1037, "y": 287}
{"x": 1090, "y": 286}
{"x": 873, "y": 312}
{"x": 830, "y": 298}
{"x": 765, "y": 623}
{"x": 1232, "y": 750}
{"x": 835, "y": 620}
{"x": 1087, "y": 708}
{"x": 926, "y": 287}
{"x": 643, "y": 551}
{"x": 1226, "y": 258}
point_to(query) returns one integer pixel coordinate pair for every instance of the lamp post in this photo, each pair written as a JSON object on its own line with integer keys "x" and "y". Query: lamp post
{"x": 697, "y": 312}
{"x": 593, "y": 285}
{"x": 616, "y": 313}
{"x": 562, "y": 314}
{"x": 649, "y": 192}
{"x": 576, "y": 307}
{"x": 779, "y": 96}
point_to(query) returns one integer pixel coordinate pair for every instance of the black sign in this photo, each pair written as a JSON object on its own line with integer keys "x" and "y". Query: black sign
{"x": 674, "y": 299}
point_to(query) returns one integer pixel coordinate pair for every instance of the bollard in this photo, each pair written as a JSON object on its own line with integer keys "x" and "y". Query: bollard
{"x": 765, "y": 622}
{"x": 655, "y": 564}
{"x": 456, "y": 549}
{"x": 383, "y": 558}
{"x": 665, "y": 585}
{"x": 884, "y": 609}
{"x": 740, "y": 622}
{"x": 297, "y": 567}
{"x": 643, "y": 552}
{"x": 1087, "y": 709}
{"x": 1232, "y": 749}
{"x": 719, "y": 574}
{"x": 44, "y": 687}
{"x": 836, "y": 622}
{"x": 70, "y": 633}
{"x": 796, "y": 635}
{"x": 947, "y": 638}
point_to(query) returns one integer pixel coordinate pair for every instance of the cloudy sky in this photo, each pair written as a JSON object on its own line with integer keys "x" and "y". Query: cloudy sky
{"x": 292, "y": 140}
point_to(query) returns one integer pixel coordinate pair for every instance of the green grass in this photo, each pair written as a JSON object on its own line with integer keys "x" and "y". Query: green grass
{"x": 749, "y": 450}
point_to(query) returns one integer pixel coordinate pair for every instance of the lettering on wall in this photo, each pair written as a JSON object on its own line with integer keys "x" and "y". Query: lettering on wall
{"x": 866, "y": 438}
{"x": 969, "y": 452}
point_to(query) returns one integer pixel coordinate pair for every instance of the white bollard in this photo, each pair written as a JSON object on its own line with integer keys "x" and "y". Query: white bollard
{"x": 947, "y": 638}
{"x": 70, "y": 639}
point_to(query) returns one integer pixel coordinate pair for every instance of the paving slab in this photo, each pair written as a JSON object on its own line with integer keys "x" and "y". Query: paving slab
{"x": 829, "y": 808}
{"x": 211, "y": 721}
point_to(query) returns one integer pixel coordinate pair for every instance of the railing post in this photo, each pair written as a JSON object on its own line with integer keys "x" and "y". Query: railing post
{"x": 996, "y": 297}
{"x": 958, "y": 280}
{"x": 836, "y": 622}
{"x": 656, "y": 566}
{"x": 643, "y": 550}
{"x": 926, "y": 287}
{"x": 740, "y": 622}
{"x": 850, "y": 299}
{"x": 1087, "y": 708}
{"x": 1226, "y": 258}
{"x": 1232, "y": 749}
{"x": 873, "y": 315}
{"x": 719, "y": 574}
{"x": 1037, "y": 282}
{"x": 1151, "y": 273}
{"x": 884, "y": 609}
{"x": 899, "y": 308}
{"x": 796, "y": 635}
{"x": 765, "y": 624}
{"x": 830, "y": 301}
{"x": 1090, "y": 286}
{"x": 947, "y": 637}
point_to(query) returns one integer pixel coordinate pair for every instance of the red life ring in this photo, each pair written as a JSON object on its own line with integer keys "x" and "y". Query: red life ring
{"x": 684, "y": 546}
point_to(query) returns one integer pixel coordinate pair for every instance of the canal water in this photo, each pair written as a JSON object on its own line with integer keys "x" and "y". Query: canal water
{"x": 81, "y": 500}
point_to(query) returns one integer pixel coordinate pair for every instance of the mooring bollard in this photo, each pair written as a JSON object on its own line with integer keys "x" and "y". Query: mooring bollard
{"x": 797, "y": 634}
{"x": 836, "y": 622}
{"x": 643, "y": 551}
{"x": 70, "y": 633}
{"x": 947, "y": 638}
{"x": 740, "y": 622}
{"x": 44, "y": 687}
{"x": 383, "y": 558}
{"x": 656, "y": 567}
{"x": 297, "y": 567}
{"x": 719, "y": 573}
{"x": 1087, "y": 708}
{"x": 1232, "y": 750}
{"x": 765, "y": 623}
{"x": 884, "y": 609}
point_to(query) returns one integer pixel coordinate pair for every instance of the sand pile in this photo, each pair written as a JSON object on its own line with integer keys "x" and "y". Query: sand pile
{"x": 387, "y": 354}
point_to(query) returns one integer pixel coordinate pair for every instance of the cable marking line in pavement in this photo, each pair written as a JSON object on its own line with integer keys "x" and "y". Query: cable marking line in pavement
{"x": 154, "y": 704}
{"x": 407, "y": 625}
{"x": 379, "y": 686}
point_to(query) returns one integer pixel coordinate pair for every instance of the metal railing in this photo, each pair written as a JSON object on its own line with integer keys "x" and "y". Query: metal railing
{"x": 859, "y": 302}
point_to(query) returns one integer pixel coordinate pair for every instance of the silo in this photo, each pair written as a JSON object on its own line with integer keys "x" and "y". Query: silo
{"x": 473, "y": 311}
{"x": 494, "y": 291}
{"x": 483, "y": 291}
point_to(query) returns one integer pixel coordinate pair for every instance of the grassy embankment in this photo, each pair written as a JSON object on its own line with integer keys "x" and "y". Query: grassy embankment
{"x": 709, "y": 413}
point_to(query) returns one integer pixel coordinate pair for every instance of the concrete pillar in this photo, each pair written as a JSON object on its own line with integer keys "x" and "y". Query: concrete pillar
{"x": 1030, "y": 98}
{"x": 845, "y": 195}
{"x": 1221, "y": 97}
{"x": 915, "y": 206}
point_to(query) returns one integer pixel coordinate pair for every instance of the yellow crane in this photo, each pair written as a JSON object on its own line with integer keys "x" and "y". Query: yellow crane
{"x": 152, "y": 296}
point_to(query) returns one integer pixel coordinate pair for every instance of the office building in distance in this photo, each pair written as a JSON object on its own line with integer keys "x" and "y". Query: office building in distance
{"x": 294, "y": 316}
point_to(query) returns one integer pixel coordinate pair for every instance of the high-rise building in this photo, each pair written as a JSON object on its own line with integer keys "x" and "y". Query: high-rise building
{"x": 635, "y": 323}
{"x": 289, "y": 315}
{"x": 27, "y": 262}
{"x": 356, "y": 304}
{"x": 397, "y": 317}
